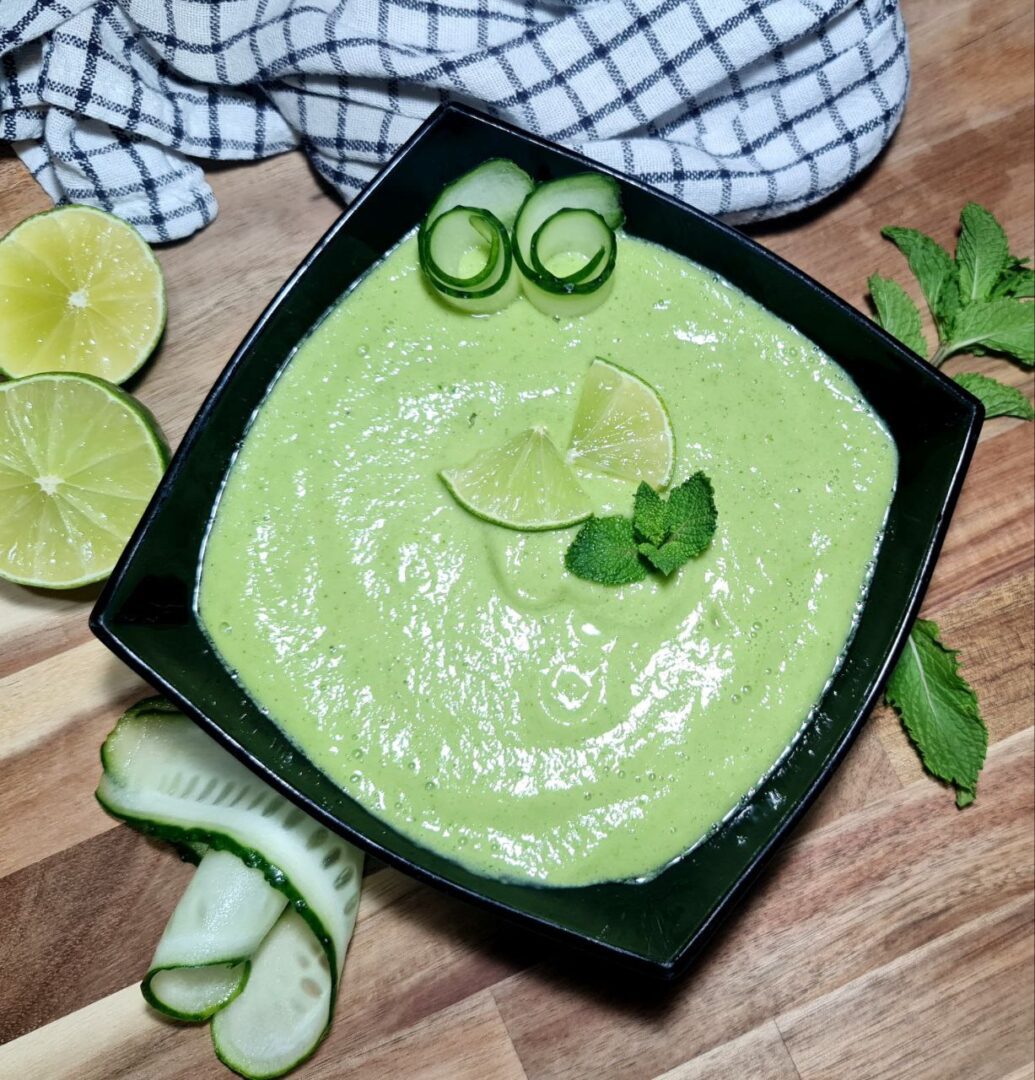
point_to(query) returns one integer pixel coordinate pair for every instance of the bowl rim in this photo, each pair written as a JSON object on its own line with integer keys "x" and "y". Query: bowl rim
{"x": 102, "y": 623}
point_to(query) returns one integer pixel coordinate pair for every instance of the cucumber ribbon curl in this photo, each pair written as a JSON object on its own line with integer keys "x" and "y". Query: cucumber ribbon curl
{"x": 492, "y": 232}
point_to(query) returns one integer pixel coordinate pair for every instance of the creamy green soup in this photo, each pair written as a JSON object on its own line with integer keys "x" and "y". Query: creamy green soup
{"x": 451, "y": 675}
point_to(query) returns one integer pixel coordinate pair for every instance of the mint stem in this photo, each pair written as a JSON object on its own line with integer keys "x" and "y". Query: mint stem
{"x": 941, "y": 355}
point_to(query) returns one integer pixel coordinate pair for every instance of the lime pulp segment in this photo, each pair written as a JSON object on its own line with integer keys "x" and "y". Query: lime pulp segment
{"x": 79, "y": 460}
{"x": 622, "y": 427}
{"x": 523, "y": 484}
{"x": 80, "y": 290}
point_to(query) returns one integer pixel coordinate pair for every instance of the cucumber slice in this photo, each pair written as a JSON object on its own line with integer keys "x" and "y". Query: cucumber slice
{"x": 461, "y": 237}
{"x": 474, "y": 214}
{"x": 581, "y": 235}
{"x": 202, "y": 960}
{"x": 486, "y": 304}
{"x": 564, "y": 305}
{"x": 583, "y": 191}
{"x": 456, "y": 236}
{"x": 164, "y": 776}
{"x": 497, "y": 185}
{"x": 284, "y": 1010}
{"x": 193, "y": 994}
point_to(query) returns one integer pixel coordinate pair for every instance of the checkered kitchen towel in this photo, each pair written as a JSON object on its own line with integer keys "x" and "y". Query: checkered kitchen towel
{"x": 746, "y": 108}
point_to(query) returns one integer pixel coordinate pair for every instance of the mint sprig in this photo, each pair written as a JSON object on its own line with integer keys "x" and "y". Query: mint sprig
{"x": 674, "y": 532}
{"x": 939, "y": 710}
{"x": 976, "y": 300}
{"x": 663, "y": 534}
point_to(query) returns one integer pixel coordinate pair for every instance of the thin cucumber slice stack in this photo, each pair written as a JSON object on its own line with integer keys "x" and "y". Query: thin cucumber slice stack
{"x": 259, "y": 939}
{"x": 565, "y": 245}
{"x": 464, "y": 241}
{"x": 202, "y": 961}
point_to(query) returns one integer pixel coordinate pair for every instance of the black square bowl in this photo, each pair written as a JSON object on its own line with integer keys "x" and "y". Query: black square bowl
{"x": 146, "y": 614}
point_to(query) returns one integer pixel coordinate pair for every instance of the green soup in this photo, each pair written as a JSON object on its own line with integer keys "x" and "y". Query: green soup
{"x": 450, "y": 675}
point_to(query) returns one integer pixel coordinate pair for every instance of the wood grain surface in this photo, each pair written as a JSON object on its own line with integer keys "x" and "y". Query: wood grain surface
{"x": 891, "y": 937}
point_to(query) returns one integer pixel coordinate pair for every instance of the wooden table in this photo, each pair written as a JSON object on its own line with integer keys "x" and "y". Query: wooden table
{"x": 892, "y": 937}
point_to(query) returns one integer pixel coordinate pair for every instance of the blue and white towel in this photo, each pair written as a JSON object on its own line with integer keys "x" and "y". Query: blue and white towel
{"x": 745, "y": 108}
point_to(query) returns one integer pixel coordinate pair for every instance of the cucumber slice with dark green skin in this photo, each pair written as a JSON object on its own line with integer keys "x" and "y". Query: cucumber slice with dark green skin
{"x": 583, "y": 191}
{"x": 165, "y": 777}
{"x": 584, "y": 234}
{"x": 480, "y": 208}
{"x": 453, "y": 235}
{"x": 284, "y": 1010}
{"x": 497, "y": 185}
{"x": 193, "y": 994}
{"x": 444, "y": 247}
{"x": 202, "y": 960}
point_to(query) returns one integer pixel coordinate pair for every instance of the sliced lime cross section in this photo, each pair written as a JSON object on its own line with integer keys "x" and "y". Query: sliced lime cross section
{"x": 80, "y": 290}
{"x": 523, "y": 484}
{"x": 622, "y": 427}
{"x": 79, "y": 460}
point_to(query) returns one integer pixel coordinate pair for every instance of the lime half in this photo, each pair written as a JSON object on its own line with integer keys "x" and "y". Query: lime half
{"x": 79, "y": 460}
{"x": 622, "y": 427}
{"x": 523, "y": 484}
{"x": 80, "y": 290}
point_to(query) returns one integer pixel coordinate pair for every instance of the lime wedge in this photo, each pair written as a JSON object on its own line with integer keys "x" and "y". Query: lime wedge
{"x": 80, "y": 290}
{"x": 79, "y": 460}
{"x": 523, "y": 484}
{"x": 622, "y": 427}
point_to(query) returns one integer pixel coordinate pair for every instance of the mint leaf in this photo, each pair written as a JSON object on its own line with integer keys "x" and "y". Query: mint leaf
{"x": 690, "y": 525}
{"x": 939, "y": 710}
{"x": 1002, "y": 325}
{"x": 897, "y": 313}
{"x": 933, "y": 267}
{"x": 667, "y": 557}
{"x": 604, "y": 551}
{"x": 982, "y": 252}
{"x": 650, "y": 515}
{"x": 997, "y": 398}
{"x": 692, "y": 516}
{"x": 1017, "y": 280}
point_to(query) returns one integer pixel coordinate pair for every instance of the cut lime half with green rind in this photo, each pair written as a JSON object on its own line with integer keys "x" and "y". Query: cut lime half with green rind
{"x": 79, "y": 462}
{"x": 622, "y": 427}
{"x": 524, "y": 484}
{"x": 80, "y": 291}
